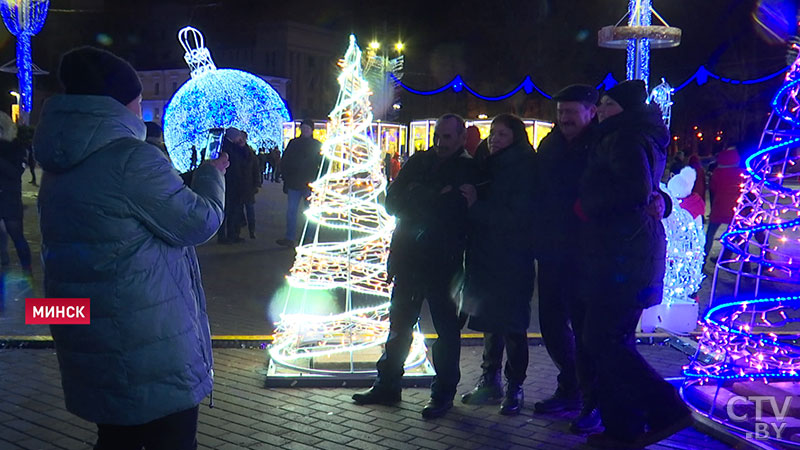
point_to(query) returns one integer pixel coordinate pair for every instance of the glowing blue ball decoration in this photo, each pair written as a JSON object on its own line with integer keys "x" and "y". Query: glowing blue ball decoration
{"x": 218, "y": 99}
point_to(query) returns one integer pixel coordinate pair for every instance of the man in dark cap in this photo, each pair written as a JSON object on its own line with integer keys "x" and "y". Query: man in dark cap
{"x": 562, "y": 159}
{"x": 300, "y": 166}
{"x": 119, "y": 227}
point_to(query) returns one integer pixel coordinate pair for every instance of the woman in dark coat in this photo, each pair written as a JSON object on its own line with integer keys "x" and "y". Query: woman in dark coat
{"x": 624, "y": 262}
{"x": 500, "y": 262}
{"x": 12, "y": 157}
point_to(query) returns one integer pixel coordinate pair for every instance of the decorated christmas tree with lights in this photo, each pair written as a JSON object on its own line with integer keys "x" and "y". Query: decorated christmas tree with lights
{"x": 346, "y": 245}
{"x": 748, "y": 343}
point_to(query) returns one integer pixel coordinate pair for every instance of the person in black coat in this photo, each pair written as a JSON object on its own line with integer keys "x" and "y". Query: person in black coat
{"x": 563, "y": 155}
{"x": 12, "y": 158}
{"x": 500, "y": 266}
{"x": 299, "y": 166}
{"x": 624, "y": 267}
{"x": 426, "y": 260}
{"x": 238, "y": 181}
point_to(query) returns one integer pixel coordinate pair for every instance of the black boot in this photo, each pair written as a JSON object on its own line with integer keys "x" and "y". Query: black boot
{"x": 488, "y": 391}
{"x": 378, "y": 395}
{"x": 512, "y": 402}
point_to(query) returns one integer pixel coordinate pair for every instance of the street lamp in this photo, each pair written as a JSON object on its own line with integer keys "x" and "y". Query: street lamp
{"x": 383, "y": 74}
{"x": 15, "y": 106}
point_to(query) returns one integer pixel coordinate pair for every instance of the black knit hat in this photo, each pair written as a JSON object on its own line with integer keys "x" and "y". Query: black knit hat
{"x": 577, "y": 93}
{"x": 307, "y": 122}
{"x": 92, "y": 71}
{"x": 630, "y": 95}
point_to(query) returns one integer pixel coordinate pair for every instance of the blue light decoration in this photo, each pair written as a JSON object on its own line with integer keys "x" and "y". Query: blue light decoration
{"x": 217, "y": 99}
{"x": 700, "y": 77}
{"x": 638, "y": 49}
{"x": 749, "y": 338}
{"x": 662, "y": 96}
{"x": 24, "y": 19}
{"x": 685, "y": 257}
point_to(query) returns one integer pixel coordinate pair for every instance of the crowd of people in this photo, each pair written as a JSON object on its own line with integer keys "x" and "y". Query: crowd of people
{"x": 475, "y": 222}
{"x": 596, "y": 231}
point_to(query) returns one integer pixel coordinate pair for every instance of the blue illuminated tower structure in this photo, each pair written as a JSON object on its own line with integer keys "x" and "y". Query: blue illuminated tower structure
{"x": 748, "y": 345}
{"x": 639, "y": 37}
{"x": 216, "y": 99}
{"x": 24, "y": 19}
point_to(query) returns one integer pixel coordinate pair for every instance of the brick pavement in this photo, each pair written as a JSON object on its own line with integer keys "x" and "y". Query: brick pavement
{"x": 248, "y": 416}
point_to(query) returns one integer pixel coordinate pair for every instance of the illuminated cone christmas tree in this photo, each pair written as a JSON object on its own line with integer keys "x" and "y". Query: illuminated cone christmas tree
{"x": 347, "y": 234}
{"x": 748, "y": 344}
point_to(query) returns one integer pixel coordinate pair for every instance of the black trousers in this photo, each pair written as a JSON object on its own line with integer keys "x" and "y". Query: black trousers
{"x": 630, "y": 392}
{"x": 516, "y": 349}
{"x": 561, "y": 321}
{"x": 173, "y": 432}
{"x": 407, "y": 297}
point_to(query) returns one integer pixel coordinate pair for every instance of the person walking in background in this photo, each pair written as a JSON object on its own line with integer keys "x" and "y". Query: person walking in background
{"x": 24, "y": 139}
{"x": 253, "y": 178}
{"x": 724, "y": 191}
{"x": 299, "y": 166}
{"x": 275, "y": 164}
{"x": 473, "y": 139}
{"x": 120, "y": 227}
{"x": 500, "y": 270}
{"x": 238, "y": 178}
{"x": 699, "y": 187}
{"x": 624, "y": 267}
{"x": 563, "y": 155}
{"x": 155, "y": 136}
{"x": 263, "y": 164}
{"x": 426, "y": 261}
{"x": 12, "y": 160}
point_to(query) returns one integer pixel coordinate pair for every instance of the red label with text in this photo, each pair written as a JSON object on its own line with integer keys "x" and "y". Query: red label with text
{"x": 57, "y": 311}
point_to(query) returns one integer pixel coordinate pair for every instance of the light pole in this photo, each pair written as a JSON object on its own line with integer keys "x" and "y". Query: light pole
{"x": 15, "y": 106}
{"x": 383, "y": 73}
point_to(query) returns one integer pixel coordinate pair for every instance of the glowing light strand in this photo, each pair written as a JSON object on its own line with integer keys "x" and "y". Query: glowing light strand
{"x": 739, "y": 339}
{"x": 344, "y": 199}
{"x": 685, "y": 256}
{"x": 701, "y": 75}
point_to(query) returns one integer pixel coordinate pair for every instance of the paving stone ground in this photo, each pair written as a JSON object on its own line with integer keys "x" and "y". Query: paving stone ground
{"x": 247, "y": 415}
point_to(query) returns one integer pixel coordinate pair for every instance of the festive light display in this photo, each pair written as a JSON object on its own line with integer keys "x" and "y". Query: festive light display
{"x": 218, "y": 99}
{"x": 700, "y": 76}
{"x": 748, "y": 340}
{"x": 685, "y": 257}
{"x": 662, "y": 96}
{"x": 24, "y": 19}
{"x": 349, "y": 239}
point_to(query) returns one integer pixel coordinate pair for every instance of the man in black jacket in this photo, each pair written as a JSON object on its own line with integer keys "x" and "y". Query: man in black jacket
{"x": 425, "y": 261}
{"x": 562, "y": 160}
{"x": 300, "y": 166}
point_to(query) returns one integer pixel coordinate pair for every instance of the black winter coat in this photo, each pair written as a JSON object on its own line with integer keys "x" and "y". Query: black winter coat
{"x": 431, "y": 233}
{"x": 12, "y": 157}
{"x": 300, "y": 163}
{"x": 500, "y": 267}
{"x": 625, "y": 247}
{"x": 561, "y": 165}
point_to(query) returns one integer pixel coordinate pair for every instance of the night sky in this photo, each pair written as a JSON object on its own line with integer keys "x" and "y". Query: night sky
{"x": 493, "y": 45}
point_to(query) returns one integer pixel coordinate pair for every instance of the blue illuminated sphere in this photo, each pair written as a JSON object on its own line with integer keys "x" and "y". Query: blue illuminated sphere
{"x": 222, "y": 98}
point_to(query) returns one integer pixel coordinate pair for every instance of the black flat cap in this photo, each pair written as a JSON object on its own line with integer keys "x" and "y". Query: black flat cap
{"x": 577, "y": 93}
